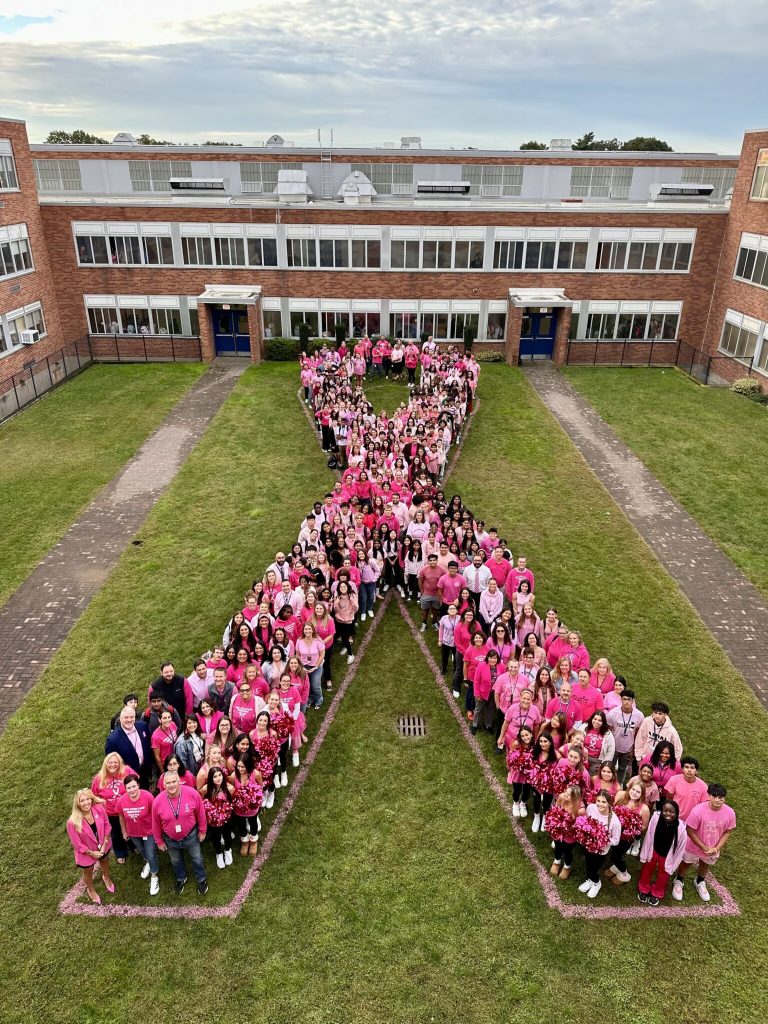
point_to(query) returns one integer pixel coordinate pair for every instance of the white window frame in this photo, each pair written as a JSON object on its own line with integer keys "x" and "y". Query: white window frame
{"x": 493, "y": 180}
{"x": 601, "y": 181}
{"x": 254, "y": 180}
{"x": 721, "y": 178}
{"x": 9, "y": 179}
{"x": 389, "y": 179}
{"x": 159, "y": 173}
{"x": 15, "y": 249}
{"x": 736, "y": 325}
{"x": 27, "y": 318}
{"x": 759, "y": 189}
{"x": 58, "y": 176}
{"x": 755, "y": 255}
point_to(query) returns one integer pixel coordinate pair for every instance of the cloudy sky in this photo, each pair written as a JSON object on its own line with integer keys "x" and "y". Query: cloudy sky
{"x": 490, "y": 73}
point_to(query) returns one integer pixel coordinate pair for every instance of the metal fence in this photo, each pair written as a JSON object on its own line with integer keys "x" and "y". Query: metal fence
{"x": 622, "y": 352}
{"x": 40, "y": 375}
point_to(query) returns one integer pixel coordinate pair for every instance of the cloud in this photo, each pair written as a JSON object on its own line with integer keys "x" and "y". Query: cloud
{"x": 486, "y": 74}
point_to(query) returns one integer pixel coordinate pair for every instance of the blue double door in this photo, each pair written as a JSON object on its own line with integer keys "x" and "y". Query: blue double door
{"x": 537, "y": 333}
{"x": 230, "y": 329}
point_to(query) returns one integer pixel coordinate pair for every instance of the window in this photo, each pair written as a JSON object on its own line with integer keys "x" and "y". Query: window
{"x": 155, "y": 175}
{"x": 304, "y": 317}
{"x": 540, "y": 255}
{"x": 302, "y": 252}
{"x": 436, "y": 255}
{"x": 572, "y": 256}
{"x": 643, "y": 256}
{"x": 632, "y": 325}
{"x": 158, "y": 250}
{"x": 58, "y": 175}
{"x": 262, "y": 252}
{"x": 389, "y": 179}
{"x": 28, "y": 319}
{"x": 497, "y": 325}
{"x": 493, "y": 179}
{"x": 273, "y": 323}
{"x": 611, "y": 255}
{"x": 675, "y": 256}
{"x": 194, "y": 321}
{"x": 329, "y": 321}
{"x": 435, "y": 324}
{"x": 196, "y": 251}
{"x": 15, "y": 253}
{"x": 601, "y": 182}
{"x": 91, "y": 249}
{"x": 404, "y": 254}
{"x": 752, "y": 261}
{"x": 508, "y": 255}
{"x": 134, "y": 319}
{"x": 167, "y": 321}
{"x": 365, "y": 324}
{"x": 334, "y": 252}
{"x": 722, "y": 178}
{"x": 759, "y": 182}
{"x": 406, "y": 325}
{"x": 229, "y": 252}
{"x": 103, "y": 320}
{"x": 260, "y": 176}
{"x": 461, "y": 320}
{"x": 366, "y": 253}
{"x": 124, "y": 249}
{"x": 739, "y": 341}
{"x": 664, "y": 326}
{"x": 601, "y": 325}
{"x": 8, "y": 179}
{"x": 469, "y": 256}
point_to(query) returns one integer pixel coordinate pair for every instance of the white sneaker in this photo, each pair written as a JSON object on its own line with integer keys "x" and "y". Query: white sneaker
{"x": 227, "y": 857}
{"x": 634, "y": 850}
{"x": 523, "y": 810}
{"x": 295, "y": 759}
{"x": 385, "y": 588}
{"x": 702, "y": 890}
{"x": 586, "y": 886}
{"x": 423, "y": 628}
{"x": 402, "y": 592}
{"x": 456, "y": 694}
{"x": 277, "y": 781}
{"x": 363, "y": 616}
{"x": 269, "y": 799}
{"x": 677, "y": 890}
{"x": 220, "y": 861}
{"x": 536, "y": 823}
{"x": 145, "y": 870}
{"x": 343, "y": 650}
{"x": 515, "y": 810}
{"x": 350, "y": 659}
{"x": 595, "y": 889}
{"x": 154, "y": 885}
{"x": 284, "y": 779}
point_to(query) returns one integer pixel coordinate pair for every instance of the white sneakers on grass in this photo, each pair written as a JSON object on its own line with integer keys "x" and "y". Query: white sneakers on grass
{"x": 702, "y": 890}
{"x": 154, "y": 885}
{"x": 220, "y": 861}
{"x": 295, "y": 759}
{"x": 677, "y": 890}
{"x": 145, "y": 870}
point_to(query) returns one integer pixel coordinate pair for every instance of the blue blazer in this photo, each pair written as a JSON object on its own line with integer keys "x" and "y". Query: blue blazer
{"x": 118, "y": 743}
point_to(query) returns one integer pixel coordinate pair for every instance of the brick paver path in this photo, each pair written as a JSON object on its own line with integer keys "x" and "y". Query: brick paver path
{"x": 38, "y": 617}
{"x": 731, "y": 608}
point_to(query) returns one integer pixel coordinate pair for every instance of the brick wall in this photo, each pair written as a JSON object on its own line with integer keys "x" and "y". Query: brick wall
{"x": 22, "y": 208}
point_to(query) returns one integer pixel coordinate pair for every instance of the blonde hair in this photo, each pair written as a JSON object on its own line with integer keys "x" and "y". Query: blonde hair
{"x": 571, "y": 799}
{"x": 77, "y": 817}
{"x": 623, "y": 797}
{"x": 104, "y": 774}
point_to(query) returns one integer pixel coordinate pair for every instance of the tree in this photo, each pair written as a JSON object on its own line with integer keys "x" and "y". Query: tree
{"x": 532, "y": 144}
{"x": 75, "y": 138}
{"x": 588, "y": 141}
{"x": 147, "y": 140}
{"x": 647, "y": 142}
{"x": 215, "y": 142}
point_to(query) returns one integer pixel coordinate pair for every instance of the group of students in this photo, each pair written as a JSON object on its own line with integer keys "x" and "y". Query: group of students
{"x": 207, "y": 752}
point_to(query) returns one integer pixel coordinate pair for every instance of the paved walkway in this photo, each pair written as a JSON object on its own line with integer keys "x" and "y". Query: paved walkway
{"x": 38, "y": 617}
{"x": 732, "y": 609}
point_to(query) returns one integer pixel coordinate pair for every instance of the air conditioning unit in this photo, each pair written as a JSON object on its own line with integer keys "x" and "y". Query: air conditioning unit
{"x": 30, "y": 337}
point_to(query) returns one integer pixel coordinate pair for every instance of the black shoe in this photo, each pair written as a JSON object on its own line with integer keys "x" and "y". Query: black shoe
{"x": 653, "y": 901}
{"x": 498, "y": 750}
{"x": 473, "y": 730}
{"x": 642, "y": 896}
{"x": 202, "y": 887}
{"x": 180, "y": 887}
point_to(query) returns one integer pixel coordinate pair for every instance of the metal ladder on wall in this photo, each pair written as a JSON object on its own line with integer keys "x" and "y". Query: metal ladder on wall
{"x": 326, "y": 163}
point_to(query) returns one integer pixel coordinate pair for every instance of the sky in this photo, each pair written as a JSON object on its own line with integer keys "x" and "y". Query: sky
{"x": 488, "y": 74}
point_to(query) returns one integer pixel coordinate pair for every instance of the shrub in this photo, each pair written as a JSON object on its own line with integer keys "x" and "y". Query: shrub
{"x": 489, "y": 357}
{"x": 281, "y": 350}
{"x": 747, "y": 386}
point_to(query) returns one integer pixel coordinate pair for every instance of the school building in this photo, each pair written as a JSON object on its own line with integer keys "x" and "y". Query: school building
{"x": 576, "y": 256}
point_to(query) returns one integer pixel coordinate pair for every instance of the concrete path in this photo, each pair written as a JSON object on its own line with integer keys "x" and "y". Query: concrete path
{"x": 38, "y": 617}
{"x": 732, "y": 609}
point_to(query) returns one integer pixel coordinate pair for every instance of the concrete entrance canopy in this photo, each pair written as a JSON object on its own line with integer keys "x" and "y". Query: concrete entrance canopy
{"x": 232, "y": 295}
{"x": 537, "y": 298}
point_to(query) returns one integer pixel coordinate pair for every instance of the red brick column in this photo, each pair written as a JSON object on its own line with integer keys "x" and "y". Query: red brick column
{"x": 207, "y": 341}
{"x": 560, "y": 352}
{"x": 256, "y": 331}
{"x": 512, "y": 335}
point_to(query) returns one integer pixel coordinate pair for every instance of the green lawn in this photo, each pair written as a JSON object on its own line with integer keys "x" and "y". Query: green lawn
{"x": 385, "y": 394}
{"x": 709, "y": 447}
{"x": 396, "y": 892}
{"x": 58, "y": 453}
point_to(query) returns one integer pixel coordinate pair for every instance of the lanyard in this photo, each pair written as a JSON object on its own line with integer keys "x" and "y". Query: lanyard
{"x": 177, "y": 810}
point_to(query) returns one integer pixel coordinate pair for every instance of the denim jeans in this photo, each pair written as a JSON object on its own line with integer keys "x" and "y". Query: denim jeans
{"x": 148, "y": 850}
{"x": 191, "y": 844}
{"x": 367, "y": 597}
{"x": 316, "y": 686}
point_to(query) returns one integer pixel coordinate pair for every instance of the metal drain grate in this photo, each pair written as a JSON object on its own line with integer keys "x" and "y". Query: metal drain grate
{"x": 411, "y": 725}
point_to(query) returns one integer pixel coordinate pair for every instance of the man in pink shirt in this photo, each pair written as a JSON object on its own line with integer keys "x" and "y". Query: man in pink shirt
{"x": 686, "y": 789}
{"x": 710, "y": 826}
{"x": 499, "y": 567}
{"x": 134, "y": 809}
{"x": 178, "y": 825}
{"x": 563, "y": 703}
{"x": 587, "y": 697}
{"x": 449, "y": 585}
{"x": 520, "y": 572}
{"x": 429, "y": 577}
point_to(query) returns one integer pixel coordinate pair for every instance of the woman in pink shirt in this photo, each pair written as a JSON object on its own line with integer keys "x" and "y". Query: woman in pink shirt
{"x": 244, "y": 708}
{"x": 544, "y": 760}
{"x": 310, "y": 650}
{"x": 518, "y": 777}
{"x": 633, "y": 799}
{"x": 173, "y": 763}
{"x": 89, "y": 832}
{"x": 209, "y": 720}
{"x": 247, "y": 798}
{"x": 527, "y": 622}
{"x": 533, "y": 644}
{"x": 663, "y": 762}
{"x": 602, "y": 676}
{"x": 485, "y": 676}
{"x": 472, "y": 655}
{"x": 163, "y": 739}
{"x": 543, "y": 690}
{"x": 325, "y": 628}
{"x": 577, "y": 652}
{"x": 108, "y": 785}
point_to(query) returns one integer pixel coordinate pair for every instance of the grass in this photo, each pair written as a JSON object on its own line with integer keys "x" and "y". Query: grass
{"x": 396, "y": 891}
{"x": 708, "y": 446}
{"x": 385, "y": 394}
{"x": 58, "y": 453}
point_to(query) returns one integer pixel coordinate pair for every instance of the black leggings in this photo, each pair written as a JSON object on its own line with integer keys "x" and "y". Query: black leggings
{"x": 328, "y": 438}
{"x": 520, "y": 792}
{"x": 446, "y": 653}
{"x": 221, "y": 837}
{"x": 564, "y": 853}
{"x": 542, "y": 802}
{"x": 411, "y": 374}
{"x": 393, "y": 574}
{"x": 619, "y": 853}
{"x": 282, "y": 757}
{"x": 412, "y": 583}
{"x": 327, "y": 666}
{"x": 594, "y": 863}
{"x": 346, "y": 634}
{"x": 245, "y": 827}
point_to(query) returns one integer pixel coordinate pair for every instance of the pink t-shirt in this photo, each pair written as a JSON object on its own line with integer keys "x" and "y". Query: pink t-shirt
{"x": 710, "y": 826}
{"x": 686, "y": 795}
{"x": 164, "y": 741}
{"x": 516, "y": 718}
{"x": 137, "y": 814}
{"x": 588, "y": 700}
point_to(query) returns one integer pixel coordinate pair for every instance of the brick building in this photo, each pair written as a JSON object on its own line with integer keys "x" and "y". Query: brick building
{"x": 582, "y": 256}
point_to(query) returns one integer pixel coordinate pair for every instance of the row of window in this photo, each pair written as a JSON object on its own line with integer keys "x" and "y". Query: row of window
{"x": 633, "y": 326}
{"x": 15, "y": 251}
{"x": 8, "y": 178}
{"x": 760, "y": 181}
{"x": 138, "y": 320}
{"x": 746, "y": 339}
{"x": 12, "y": 324}
{"x": 752, "y": 261}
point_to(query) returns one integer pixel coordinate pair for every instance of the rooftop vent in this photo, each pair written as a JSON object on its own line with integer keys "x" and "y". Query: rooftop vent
{"x": 275, "y": 140}
{"x": 292, "y": 186}
{"x": 681, "y": 193}
{"x": 560, "y": 144}
{"x": 410, "y": 142}
{"x": 197, "y": 184}
{"x": 124, "y": 139}
{"x": 452, "y": 188}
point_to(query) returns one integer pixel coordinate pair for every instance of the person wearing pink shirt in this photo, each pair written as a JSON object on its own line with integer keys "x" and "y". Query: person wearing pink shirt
{"x": 491, "y": 602}
{"x": 244, "y": 708}
{"x": 709, "y": 826}
{"x": 601, "y": 811}
{"x": 499, "y": 567}
{"x": 163, "y": 739}
{"x": 310, "y": 650}
{"x": 449, "y": 585}
{"x": 687, "y": 789}
{"x": 662, "y": 850}
{"x": 577, "y": 652}
{"x": 485, "y": 676}
{"x": 108, "y": 785}
{"x": 556, "y": 645}
{"x": 563, "y": 703}
{"x": 602, "y": 676}
{"x": 514, "y": 576}
{"x": 199, "y": 681}
{"x": 89, "y": 832}
{"x": 523, "y": 713}
{"x": 134, "y": 809}
{"x": 657, "y": 726}
{"x": 209, "y": 719}
{"x": 179, "y": 826}
{"x": 588, "y": 698}
{"x": 664, "y": 765}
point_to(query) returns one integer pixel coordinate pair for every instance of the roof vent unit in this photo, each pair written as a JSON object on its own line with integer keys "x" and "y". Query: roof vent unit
{"x": 29, "y": 337}
{"x": 681, "y": 193}
{"x": 275, "y": 140}
{"x": 292, "y": 186}
{"x": 449, "y": 188}
{"x": 124, "y": 139}
{"x": 560, "y": 144}
{"x": 356, "y": 190}
{"x": 410, "y": 142}
{"x": 197, "y": 185}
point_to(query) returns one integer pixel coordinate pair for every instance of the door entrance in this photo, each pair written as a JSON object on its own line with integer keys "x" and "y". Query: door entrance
{"x": 230, "y": 328}
{"x": 537, "y": 332}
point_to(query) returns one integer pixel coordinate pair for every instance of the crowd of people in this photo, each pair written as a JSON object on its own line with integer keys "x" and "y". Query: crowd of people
{"x": 201, "y": 755}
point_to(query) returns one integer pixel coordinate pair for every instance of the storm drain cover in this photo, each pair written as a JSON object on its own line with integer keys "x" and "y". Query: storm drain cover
{"x": 411, "y": 725}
